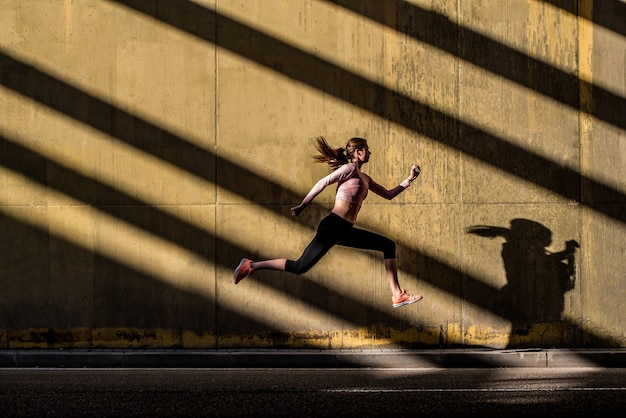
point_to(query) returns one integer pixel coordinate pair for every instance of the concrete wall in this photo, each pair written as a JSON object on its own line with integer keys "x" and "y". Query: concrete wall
{"x": 146, "y": 147}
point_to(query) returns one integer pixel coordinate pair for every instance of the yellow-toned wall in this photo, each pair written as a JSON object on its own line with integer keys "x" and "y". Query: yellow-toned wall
{"x": 147, "y": 146}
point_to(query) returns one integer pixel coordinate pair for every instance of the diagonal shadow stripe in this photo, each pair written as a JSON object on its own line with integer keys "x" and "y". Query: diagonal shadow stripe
{"x": 610, "y": 14}
{"x": 438, "y": 31}
{"x": 368, "y": 95}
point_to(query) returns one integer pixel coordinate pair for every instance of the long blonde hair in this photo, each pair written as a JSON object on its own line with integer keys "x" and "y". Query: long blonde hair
{"x": 336, "y": 157}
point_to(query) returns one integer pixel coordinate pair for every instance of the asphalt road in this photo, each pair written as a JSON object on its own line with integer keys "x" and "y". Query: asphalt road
{"x": 313, "y": 392}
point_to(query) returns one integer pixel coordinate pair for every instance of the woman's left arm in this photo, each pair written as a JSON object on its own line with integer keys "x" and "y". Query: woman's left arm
{"x": 390, "y": 194}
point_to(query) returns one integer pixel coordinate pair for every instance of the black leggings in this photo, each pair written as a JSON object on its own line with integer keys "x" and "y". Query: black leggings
{"x": 334, "y": 230}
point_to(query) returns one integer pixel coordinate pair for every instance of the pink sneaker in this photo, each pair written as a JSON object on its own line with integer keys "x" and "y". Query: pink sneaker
{"x": 405, "y": 298}
{"x": 243, "y": 270}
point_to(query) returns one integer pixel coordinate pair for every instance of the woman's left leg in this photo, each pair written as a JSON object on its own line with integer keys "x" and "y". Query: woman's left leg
{"x": 391, "y": 266}
{"x": 367, "y": 240}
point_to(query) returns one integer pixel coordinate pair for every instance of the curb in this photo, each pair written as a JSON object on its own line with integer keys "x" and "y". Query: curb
{"x": 548, "y": 358}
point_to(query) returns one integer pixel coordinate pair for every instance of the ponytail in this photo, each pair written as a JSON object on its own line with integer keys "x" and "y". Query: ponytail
{"x": 336, "y": 157}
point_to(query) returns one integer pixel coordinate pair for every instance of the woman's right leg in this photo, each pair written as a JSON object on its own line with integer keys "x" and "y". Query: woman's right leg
{"x": 247, "y": 267}
{"x": 276, "y": 264}
{"x": 328, "y": 234}
{"x": 311, "y": 255}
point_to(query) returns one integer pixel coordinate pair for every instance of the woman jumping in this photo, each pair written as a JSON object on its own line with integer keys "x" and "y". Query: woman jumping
{"x": 338, "y": 227}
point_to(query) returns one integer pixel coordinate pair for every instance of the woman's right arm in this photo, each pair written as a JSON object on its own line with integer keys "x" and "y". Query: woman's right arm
{"x": 337, "y": 175}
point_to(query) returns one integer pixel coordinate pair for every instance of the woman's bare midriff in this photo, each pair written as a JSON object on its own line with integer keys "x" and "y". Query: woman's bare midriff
{"x": 346, "y": 210}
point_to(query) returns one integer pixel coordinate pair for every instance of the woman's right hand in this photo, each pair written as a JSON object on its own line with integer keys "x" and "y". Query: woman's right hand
{"x": 296, "y": 210}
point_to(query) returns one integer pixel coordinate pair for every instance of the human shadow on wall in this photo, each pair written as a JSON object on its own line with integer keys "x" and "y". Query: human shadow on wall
{"x": 537, "y": 279}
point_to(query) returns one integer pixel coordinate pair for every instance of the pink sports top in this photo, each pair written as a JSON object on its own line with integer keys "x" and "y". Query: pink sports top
{"x": 352, "y": 186}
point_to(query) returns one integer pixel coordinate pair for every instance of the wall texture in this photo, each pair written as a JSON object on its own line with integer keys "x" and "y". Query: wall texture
{"x": 147, "y": 146}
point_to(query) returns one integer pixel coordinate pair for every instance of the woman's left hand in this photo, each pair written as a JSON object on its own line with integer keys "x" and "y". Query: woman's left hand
{"x": 415, "y": 171}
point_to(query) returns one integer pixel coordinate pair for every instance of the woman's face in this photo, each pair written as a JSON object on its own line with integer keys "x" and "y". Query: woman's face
{"x": 363, "y": 154}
